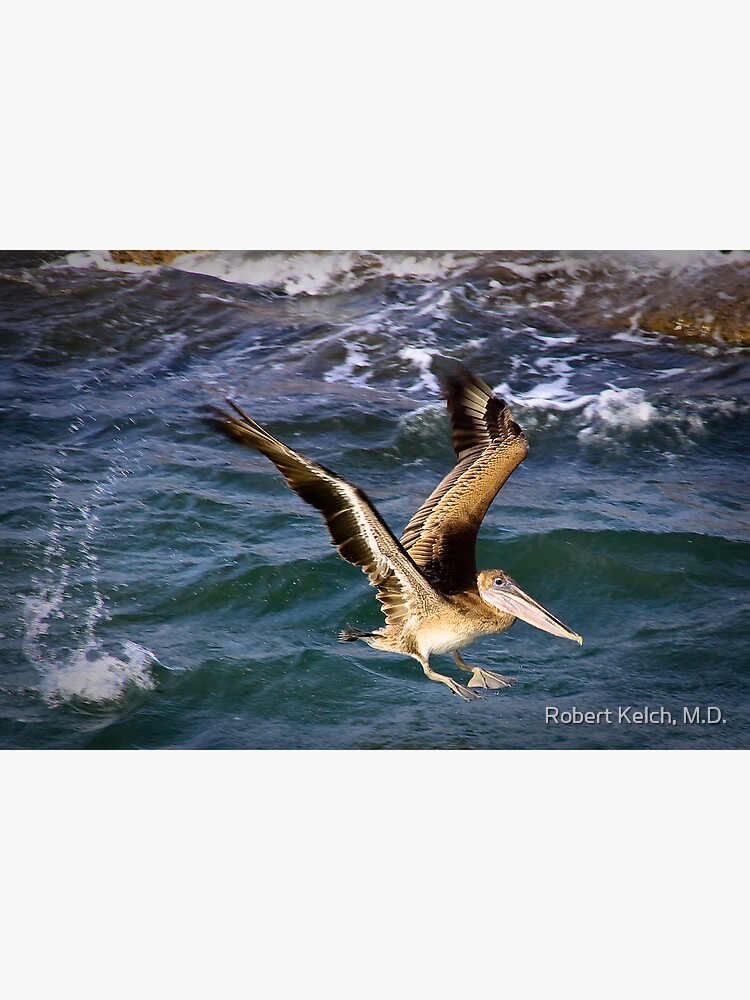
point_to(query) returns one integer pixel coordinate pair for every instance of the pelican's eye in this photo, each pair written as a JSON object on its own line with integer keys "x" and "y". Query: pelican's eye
{"x": 498, "y": 581}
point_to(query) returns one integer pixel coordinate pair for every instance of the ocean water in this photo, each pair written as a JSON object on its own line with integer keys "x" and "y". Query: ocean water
{"x": 161, "y": 586}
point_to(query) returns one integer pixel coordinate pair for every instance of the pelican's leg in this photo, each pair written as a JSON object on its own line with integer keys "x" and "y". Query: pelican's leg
{"x": 483, "y": 678}
{"x": 455, "y": 687}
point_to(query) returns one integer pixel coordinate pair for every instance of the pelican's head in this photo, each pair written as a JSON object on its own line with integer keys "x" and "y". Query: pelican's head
{"x": 497, "y": 589}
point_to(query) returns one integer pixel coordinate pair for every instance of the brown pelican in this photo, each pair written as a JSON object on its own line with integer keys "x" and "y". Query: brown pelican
{"x": 433, "y": 598}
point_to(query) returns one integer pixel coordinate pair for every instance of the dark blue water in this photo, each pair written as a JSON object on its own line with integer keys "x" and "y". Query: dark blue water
{"x": 163, "y": 588}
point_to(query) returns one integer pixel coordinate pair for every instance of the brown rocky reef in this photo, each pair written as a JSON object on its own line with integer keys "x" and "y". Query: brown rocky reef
{"x": 146, "y": 257}
{"x": 715, "y": 305}
{"x": 705, "y": 298}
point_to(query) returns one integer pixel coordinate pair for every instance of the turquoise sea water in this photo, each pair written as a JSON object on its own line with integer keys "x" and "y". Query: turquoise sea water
{"x": 161, "y": 587}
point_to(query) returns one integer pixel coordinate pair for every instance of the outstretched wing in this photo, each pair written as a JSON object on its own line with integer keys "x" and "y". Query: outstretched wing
{"x": 489, "y": 444}
{"x": 356, "y": 528}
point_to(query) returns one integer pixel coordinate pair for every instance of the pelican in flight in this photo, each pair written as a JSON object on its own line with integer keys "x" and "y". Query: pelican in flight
{"x": 434, "y": 599}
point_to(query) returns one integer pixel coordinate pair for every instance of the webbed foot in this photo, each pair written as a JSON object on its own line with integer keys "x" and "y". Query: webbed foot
{"x": 486, "y": 679}
{"x": 483, "y": 678}
{"x": 456, "y": 688}
{"x": 461, "y": 691}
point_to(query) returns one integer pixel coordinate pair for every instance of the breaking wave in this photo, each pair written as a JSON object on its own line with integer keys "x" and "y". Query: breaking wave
{"x": 306, "y": 272}
{"x": 607, "y": 414}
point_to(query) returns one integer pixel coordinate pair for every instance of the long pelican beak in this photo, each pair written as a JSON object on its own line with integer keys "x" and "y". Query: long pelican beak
{"x": 512, "y": 599}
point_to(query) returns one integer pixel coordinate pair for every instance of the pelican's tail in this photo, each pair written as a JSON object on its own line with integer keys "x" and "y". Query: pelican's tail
{"x": 352, "y": 634}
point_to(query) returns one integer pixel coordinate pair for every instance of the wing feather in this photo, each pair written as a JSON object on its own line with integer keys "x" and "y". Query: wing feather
{"x": 489, "y": 445}
{"x": 355, "y": 527}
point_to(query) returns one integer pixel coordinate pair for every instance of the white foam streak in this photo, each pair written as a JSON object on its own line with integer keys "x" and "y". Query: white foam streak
{"x": 620, "y": 409}
{"x": 612, "y": 411}
{"x": 355, "y": 362}
{"x": 549, "y": 394}
{"x": 421, "y": 358}
{"x": 638, "y": 337}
